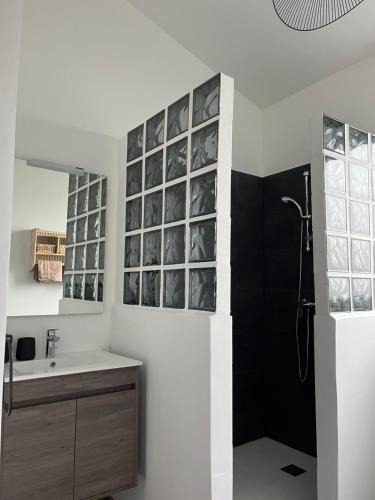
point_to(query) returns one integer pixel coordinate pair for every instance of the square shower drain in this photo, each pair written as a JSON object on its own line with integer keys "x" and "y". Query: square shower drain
{"x": 293, "y": 470}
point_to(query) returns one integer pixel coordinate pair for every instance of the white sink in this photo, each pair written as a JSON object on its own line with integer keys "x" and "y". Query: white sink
{"x": 66, "y": 364}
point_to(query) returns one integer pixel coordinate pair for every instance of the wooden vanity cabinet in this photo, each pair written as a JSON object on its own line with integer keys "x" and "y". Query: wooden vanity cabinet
{"x": 78, "y": 443}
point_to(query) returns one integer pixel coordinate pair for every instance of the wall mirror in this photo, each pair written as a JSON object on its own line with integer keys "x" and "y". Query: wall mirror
{"x": 58, "y": 240}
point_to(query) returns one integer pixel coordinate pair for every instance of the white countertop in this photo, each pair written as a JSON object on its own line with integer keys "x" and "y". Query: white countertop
{"x": 68, "y": 364}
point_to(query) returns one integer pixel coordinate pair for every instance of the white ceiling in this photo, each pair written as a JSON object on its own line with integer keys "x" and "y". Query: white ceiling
{"x": 246, "y": 40}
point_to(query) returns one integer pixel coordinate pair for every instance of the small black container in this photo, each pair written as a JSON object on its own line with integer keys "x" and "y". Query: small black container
{"x": 25, "y": 349}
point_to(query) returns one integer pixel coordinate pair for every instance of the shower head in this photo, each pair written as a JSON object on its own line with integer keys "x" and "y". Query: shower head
{"x": 287, "y": 199}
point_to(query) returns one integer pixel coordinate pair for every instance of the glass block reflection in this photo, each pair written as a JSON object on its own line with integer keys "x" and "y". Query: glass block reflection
{"x": 78, "y": 286}
{"x": 133, "y": 250}
{"x": 101, "y": 254}
{"x": 333, "y": 135}
{"x": 358, "y": 141}
{"x": 92, "y": 256}
{"x": 176, "y": 160}
{"x": 79, "y": 260}
{"x": 334, "y": 174}
{"x": 155, "y": 131}
{"x": 103, "y": 214}
{"x": 178, "y": 117}
{"x": 204, "y": 146}
{"x": 339, "y": 294}
{"x": 203, "y": 241}
{"x": 131, "y": 288}
{"x": 90, "y": 286}
{"x": 133, "y": 214}
{"x": 73, "y": 182}
{"x": 153, "y": 211}
{"x": 135, "y": 143}
{"x": 174, "y": 289}
{"x": 336, "y": 213}
{"x": 152, "y": 248}
{"x": 71, "y": 232}
{"x": 151, "y": 288}
{"x": 100, "y": 293}
{"x": 93, "y": 226}
{"x": 82, "y": 201}
{"x": 206, "y": 101}
{"x": 68, "y": 287}
{"x": 134, "y": 179}
{"x": 83, "y": 179}
{"x": 81, "y": 232}
{"x": 94, "y": 196}
{"x": 362, "y": 296}
{"x": 69, "y": 259}
{"x": 359, "y": 218}
{"x": 104, "y": 192}
{"x": 202, "y": 289}
{"x": 154, "y": 170}
{"x": 359, "y": 181}
{"x": 72, "y": 205}
{"x": 175, "y": 203}
{"x": 361, "y": 256}
{"x": 174, "y": 245}
{"x": 337, "y": 253}
{"x": 93, "y": 177}
{"x": 203, "y": 194}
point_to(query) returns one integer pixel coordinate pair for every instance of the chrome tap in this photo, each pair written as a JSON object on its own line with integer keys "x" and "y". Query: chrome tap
{"x": 52, "y": 338}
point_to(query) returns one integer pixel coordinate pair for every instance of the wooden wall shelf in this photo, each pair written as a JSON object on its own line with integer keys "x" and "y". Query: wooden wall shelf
{"x": 47, "y": 245}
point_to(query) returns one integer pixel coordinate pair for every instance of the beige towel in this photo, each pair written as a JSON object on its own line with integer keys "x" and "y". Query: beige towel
{"x": 49, "y": 271}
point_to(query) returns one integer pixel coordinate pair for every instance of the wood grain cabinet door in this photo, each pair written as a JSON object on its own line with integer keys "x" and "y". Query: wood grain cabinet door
{"x": 106, "y": 432}
{"x": 38, "y": 453}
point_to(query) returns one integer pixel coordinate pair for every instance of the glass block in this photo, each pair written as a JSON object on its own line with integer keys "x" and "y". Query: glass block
{"x": 69, "y": 258}
{"x": 203, "y": 241}
{"x": 93, "y": 226}
{"x": 335, "y": 178}
{"x": 79, "y": 260}
{"x": 358, "y": 141}
{"x": 133, "y": 250}
{"x": 100, "y": 287}
{"x": 104, "y": 192}
{"x": 337, "y": 253}
{"x": 134, "y": 179}
{"x": 152, "y": 248}
{"x": 135, "y": 143}
{"x": 71, "y": 232}
{"x": 204, "y": 146}
{"x": 373, "y": 148}
{"x": 93, "y": 177}
{"x": 359, "y": 181}
{"x": 68, "y": 287}
{"x": 174, "y": 289}
{"x": 339, "y": 294}
{"x": 359, "y": 218}
{"x": 90, "y": 286}
{"x": 174, "y": 245}
{"x": 175, "y": 203}
{"x": 133, "y": 214}
{"x": 203, "y": 194}
{"x": 154, "y": 170}
{"x": 81, "y": 232}
{"x": 103, "y": 214}
{"x": 78, "y": 286}
{"x": 362, "y": 296}
{"x": 206, "y": 102}
{"x": 72, "y": 205}
{"x": 335, "y": 213}
{"x": 373, "y": 183}
{"x": 73, "y": 182}
{"x": 151, "y": 288}
{"x": 333, "y": 135}
{"x": 92, "y": 256}
{"x": 361, "y": 256}
{"x": 178, "y": 117}
{"x": 94, "y": 196}
{"x": 202, "y": 289}
{"x": 176, "y": 160}
{"x": 131, "y": 288}
{"x": 155, "y": 131}
{"x": 153, "y": 209}
{"x": 101, "y": 254}
{"x": 82, "y": 201}
{"x": 83, "y": 179}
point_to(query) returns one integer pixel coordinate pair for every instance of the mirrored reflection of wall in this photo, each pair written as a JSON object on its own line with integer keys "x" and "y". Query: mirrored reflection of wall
{"x": 170, "y": 216}
{"x": 349, "y": 168}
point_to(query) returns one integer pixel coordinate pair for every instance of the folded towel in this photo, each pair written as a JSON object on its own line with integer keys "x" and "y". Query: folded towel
{"x": 49, "y": 271}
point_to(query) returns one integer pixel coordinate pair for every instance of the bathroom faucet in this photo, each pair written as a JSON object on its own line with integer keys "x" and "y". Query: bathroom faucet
{"x": 52, "y": 338}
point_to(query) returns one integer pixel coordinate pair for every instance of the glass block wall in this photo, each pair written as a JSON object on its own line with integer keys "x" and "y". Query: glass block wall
{"x": 85, "y": 233}
{"x": 170, "y": 213}
{"x": 349, "y": 168}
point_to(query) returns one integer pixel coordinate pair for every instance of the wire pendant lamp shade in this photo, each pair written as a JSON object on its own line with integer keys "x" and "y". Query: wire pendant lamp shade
{"x": 309, "y": 15}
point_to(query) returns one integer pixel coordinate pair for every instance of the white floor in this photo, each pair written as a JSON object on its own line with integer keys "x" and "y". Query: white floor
{"x": 257, "y": 474}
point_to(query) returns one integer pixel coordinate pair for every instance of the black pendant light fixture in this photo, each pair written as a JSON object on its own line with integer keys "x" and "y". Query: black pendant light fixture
{"x": 309, "y": 15}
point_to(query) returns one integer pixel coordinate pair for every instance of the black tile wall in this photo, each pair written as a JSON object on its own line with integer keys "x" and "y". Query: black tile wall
{"x": 268, "y": 397}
